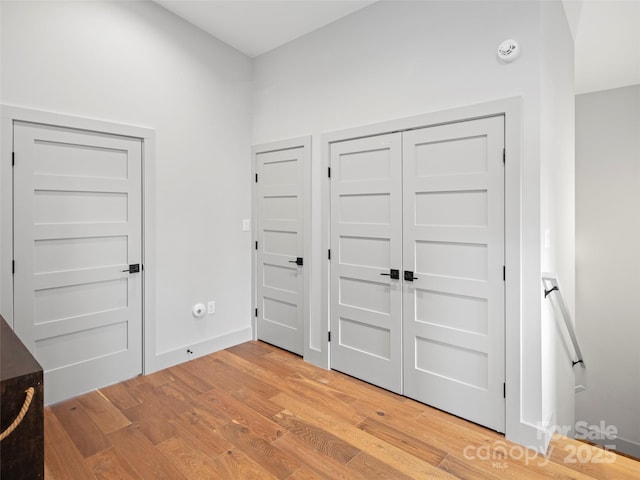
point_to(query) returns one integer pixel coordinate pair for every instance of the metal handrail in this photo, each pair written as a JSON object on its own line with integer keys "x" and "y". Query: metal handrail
{"x": 551, "y": 284}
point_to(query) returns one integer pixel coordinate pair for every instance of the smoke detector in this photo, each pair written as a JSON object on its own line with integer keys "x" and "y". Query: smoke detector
{"x": 508, "y": 50}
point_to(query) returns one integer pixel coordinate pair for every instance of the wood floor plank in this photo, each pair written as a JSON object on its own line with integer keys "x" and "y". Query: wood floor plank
{"x": 255, "y": 348}
{"x": 110, "y": 465}
{"x": 243, "y": 415}
{"x": 103, "y": 413}
{"x": 153, "y": 419}
{"x": 235, "y": 464}
{"x": 158, "y": 378}
{"x": 119, "y": 396}
{"x": 273, "y": 366}
{"x": 182, "y": 395}
{"x": 183, "y": 373}
{"x": 346, "y": 384}
{"x": 466, "y": 470}
{"x": 314, "y": 393}
{"x": 386, "y": 452}
{"x": 62, "y": 458}
{"x": 261, "y": 405}
{"x": 593, "y": 461}
{"x": 190, "y": 461}
{"x": 410, "y": 444}
{"x": 251, "y": 365}
{"x": 303, "y": 473}
{"x": 385, "y": 410}
{"x": 314, "y": 461}
{"x": 198, "y": 431}
{"x": 236, "y": 379}
{"x": 84, "y": 433}
{"x": 146, "y": 459}
{"x": 316, "y": 438}
{"x": 256, "y": 412}
{"x": 262, "y": 452}
{"x": 372, "y": 468}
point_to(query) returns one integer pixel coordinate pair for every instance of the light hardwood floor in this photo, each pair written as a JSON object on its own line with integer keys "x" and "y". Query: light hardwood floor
{"x": 256, "y": 412}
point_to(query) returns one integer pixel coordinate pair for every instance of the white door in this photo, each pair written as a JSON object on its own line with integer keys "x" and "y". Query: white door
{"x": 77, "y": 229}
{"x": 280, "y": 246}
{"x": 454, "y": 247}
{"x": 366, "y": 249}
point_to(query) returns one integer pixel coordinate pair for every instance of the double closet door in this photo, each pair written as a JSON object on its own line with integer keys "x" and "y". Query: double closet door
{"x": 417, "y": 265}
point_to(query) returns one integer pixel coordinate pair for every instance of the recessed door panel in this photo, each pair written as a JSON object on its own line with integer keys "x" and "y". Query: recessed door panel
{"x": 451, "y": 259}
{"x": 449, "y": 156}
{"x": 365, "y": 208}
{"x": 365, "y": 295}
{"x": 365, "y": 252}
{"x": 461, "y": 312}
{"x": 466, "y": 208}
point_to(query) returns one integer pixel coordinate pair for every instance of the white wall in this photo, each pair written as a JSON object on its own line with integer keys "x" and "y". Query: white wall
{"x": 396, "y": 59}
{"x": 135, "y": 63}
{"x": 557, "y": 209}
{"x": 608, "y": 260}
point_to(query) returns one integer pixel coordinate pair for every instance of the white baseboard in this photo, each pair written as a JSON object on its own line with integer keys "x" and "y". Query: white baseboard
{"x": 180, "y": 355}
{"x": 624, "y": 446}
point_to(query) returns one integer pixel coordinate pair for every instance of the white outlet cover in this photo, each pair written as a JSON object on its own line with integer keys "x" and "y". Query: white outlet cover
{"x": 198, "y": 310}
{"x": 246, "y": 224}
{"x": 211, "y": 308}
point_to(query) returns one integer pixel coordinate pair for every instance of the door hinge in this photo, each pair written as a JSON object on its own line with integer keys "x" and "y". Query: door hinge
{"x": 504, "y": 390}
{"x": 329, "y": 251}
{"x": 13, "y": 158}
{"x": 256, "y": 245}
{"x": 504, "y": 155}
{"x": 256, "y": 178}
{"x": 13, "y": 266}
{"x": 329, "y": 336}
{"x": 504, "y": 273}
{"x": 329, "y": 172}
{"x": 256, "y": 312}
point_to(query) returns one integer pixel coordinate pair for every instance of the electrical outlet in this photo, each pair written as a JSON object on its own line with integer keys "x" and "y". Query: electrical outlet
{"x": 211, "y": 307}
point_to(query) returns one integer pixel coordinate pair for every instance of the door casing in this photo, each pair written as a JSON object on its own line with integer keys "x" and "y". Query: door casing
{"x": 9, "y": 115}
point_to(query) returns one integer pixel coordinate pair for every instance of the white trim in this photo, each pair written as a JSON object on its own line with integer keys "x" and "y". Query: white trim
{"x": 516, "y": 429}
{"x": 624, "y": 446}
{"x": 179, "y": 355}
{"x": 10, "y": 114}
{"x": 6, "y": 219}
{"x": 304, "y": 142}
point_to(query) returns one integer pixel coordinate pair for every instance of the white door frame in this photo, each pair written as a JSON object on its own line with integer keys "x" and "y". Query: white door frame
{"x": 515, "y": 426}
{"x": 11, "y": 114}
{"x": 300, "y": 142}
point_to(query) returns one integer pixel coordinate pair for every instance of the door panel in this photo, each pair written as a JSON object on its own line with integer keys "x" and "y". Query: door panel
{"x": 280, "y": 281}
{"x": 78, "y": 208}
{"x": 366, "y": 236}
{"x": 454, "y": 244}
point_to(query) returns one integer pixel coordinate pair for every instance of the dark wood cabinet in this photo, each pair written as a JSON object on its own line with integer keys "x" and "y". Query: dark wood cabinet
{"x": 22, "y": 452}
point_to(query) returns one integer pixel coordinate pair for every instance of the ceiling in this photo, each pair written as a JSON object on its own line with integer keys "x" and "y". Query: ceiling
{"x": 257, "y": 26}
{"x": 606, "y": 32}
